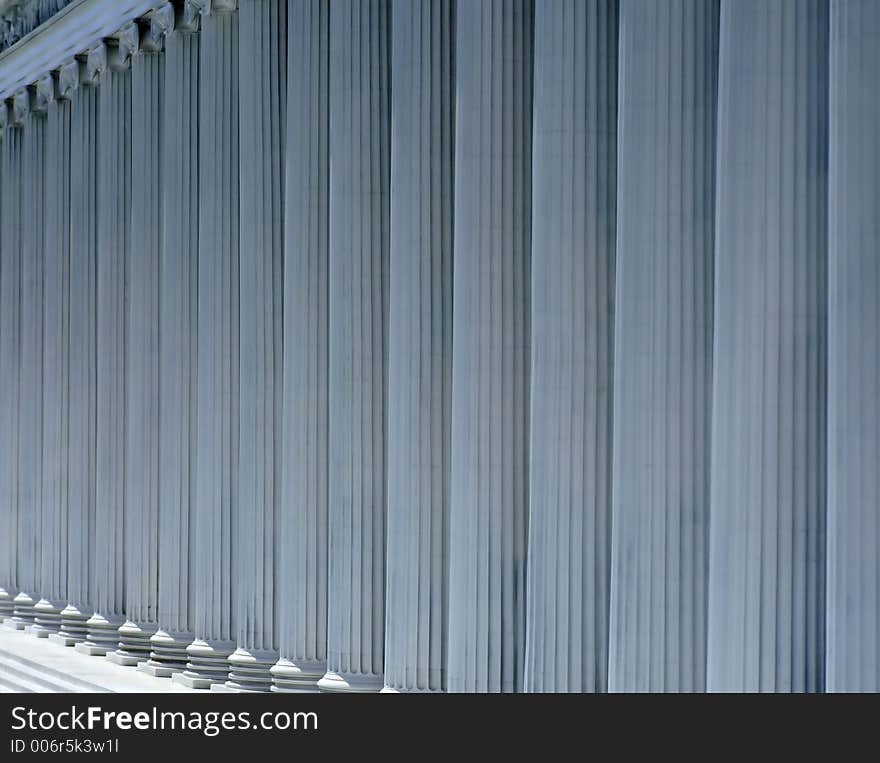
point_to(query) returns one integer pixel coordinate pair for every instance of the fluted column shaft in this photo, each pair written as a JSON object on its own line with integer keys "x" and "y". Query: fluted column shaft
{"x": 490, "y": 368}
{"x": 360, "y": 51}
{"x": 217, "y": 446}
{"x": 56, "y": 363}
{"x": 262, "y": 89}
{"x": 853, "y": 631}
{"x": 82, "y": 305}
{"x": 663, "y": 345}
{"x": 30, "y": 431}
{"x": 142, "y": 400}
{"x": 420, "y": 343}
{"x": 178, "y": 348}
{"x": 114, "y": 209}
{"x": 302, "y": 564}
{"x": 10, "y": 352}
{"x": 766, "y": 622}
{"x": 573, "y": 293}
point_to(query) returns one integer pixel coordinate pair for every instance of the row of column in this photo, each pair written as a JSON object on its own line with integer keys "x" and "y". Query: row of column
{"x": 465, "y": 345}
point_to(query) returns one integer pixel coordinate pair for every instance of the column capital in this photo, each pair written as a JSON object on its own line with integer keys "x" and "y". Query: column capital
{"x": 4, "y": 117}
{"x": 121, "y": 46}
{"x": 42, "y": 94}
{"x": 155, "y": 26}
{"x": 67, "y": 79}
{"x": 218, "y": 6}
{"x": 21, "y": 106}
{"x": 94, "y": 63}
{"x": 187, "y": 14}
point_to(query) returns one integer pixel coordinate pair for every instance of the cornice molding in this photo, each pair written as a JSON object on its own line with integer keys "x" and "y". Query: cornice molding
{"x": 72, "y": 33}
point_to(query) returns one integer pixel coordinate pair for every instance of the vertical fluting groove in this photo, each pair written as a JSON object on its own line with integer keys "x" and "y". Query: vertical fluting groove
{"x": 178, "y": 352}
{"x": 302, "y": 586}
{"x": 82, "y": 306}
{"x": 420, "y": 343}
{"x": 30, "y": 403}
{"x": 217, "y": 446}
{"x": 10, "y": 351}
{"x": 262, "y": 89}
{"x": 360, "y": 50}
{"x": 663, "y": 345}
{"x": 56, "y": 357}
{"x": 113, "y": 202}
{"x": 142, "y": 401}
{"x": 766, "y": 621}
{"x": 491, "y": 345}
{"x": 853, "y": 630}
{"x": 572, "y": 271}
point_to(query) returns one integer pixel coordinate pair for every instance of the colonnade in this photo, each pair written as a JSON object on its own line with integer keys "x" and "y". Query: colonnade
{"x": 448, "y": 345}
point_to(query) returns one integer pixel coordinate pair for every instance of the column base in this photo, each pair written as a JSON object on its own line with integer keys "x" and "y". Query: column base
{"x": 102, "y": 636}
{"x": 7, "y": 596}
{"x": 47, "y": 618}
{"x": 134, "y": 644}
{"x": 167, "y": 654}
{"x": 73, "y": 626}
{"x": 297, "y": 677}
{"x": 207, "y": 665}
{"x": 23, "y": 613}
{"x": 351, "y": 682}
{"x": 249, "y": 670}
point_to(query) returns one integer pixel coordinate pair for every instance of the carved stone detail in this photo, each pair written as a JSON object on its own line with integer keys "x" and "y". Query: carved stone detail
{"x": 95, "y": 64}
{"x": 67, "y": 79}
{"x": 42, "y": 94}
{"x": 21, "y": 105}
{"x": 154, "y": 28}
{"x": 122, "y": 46}
{"x": 187, "y": 16}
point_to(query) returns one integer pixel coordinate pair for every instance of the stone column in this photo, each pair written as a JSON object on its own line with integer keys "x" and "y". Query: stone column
{"x": 262, "y": 71}
{"x": 142, "y": 347}
{"x": 359, "y": 249}
{"x": 766, "y": 622}
{"x": 853, "y": 649}
{"x": 218, "y": 366}
{"x": 420, "y": 344}
{"x": 32, "y": 115}
{"x": 490, "y": 368}
{"x": 112, "y": 63}
{"x": 77, "y": 80}
{"x": 54, "y": 90}
{"x": 178, "y": 349}
{"x": 663, "y": 345}
{"x": 302, "y": 563}
{"x": 573, "y": 197}
{"x": 10, "y": 350}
